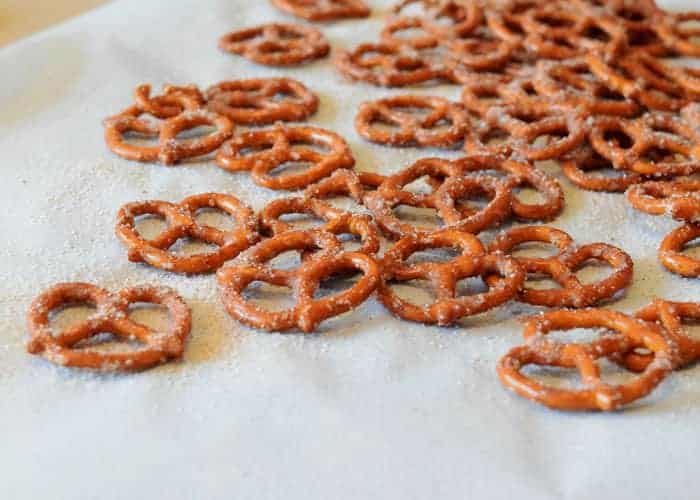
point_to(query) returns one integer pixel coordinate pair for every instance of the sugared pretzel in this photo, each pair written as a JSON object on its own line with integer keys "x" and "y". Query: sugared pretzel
{"x": 262, "y": 151}
{"x": 596, "y": 394}
{"x": 679, "y": 198}
{"x": 671, "y": 251}
{"x": 656, "y": 144}
{"x": 112, "y": 316}
{"x": 444, "y": 125}
{"x": 445, "y": 19}
{"x": 181, "y": 223}
{"x": 443, "y": 278}
{"x": 478, "y": 51}
{"x": 388, "y": 65}
{"x": 277, "y": 44}
{"x": 262, "y": 101}
{"x": 579, "y": 168}
{"x": 173, "y": 101}
{"x": 345, "y": 182}
{"x": 328, "y": 260}
{"x": 336, "y": 221}
{"x": 323, "y": 10}
{"x": 562, "y": 267}
{"x": 681, "y": 38}
{"x": 449, "y": 200}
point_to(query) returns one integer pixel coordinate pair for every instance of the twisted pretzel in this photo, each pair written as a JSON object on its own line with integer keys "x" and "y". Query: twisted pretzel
{"x": 596, "y": 394}
{"x": 562, "y": 267}
{"x": 112, "y": 317}
{"x": 345, "y": 182}
{"x": 670, "y": 251}
{"x": 277, "y": 44}
{"x": 412, "y": 129}
{"x": 273, "y": 147}
{"x": 172, "y": 102}
{"x": 307, "y": 313}
{"x": 323, "y": 10}
{"x": 256, "y": 102}
{"x": 679, "y": 199}
{"x": 578, "y": 168}
{"x": 443, "y": 277}
{"x": 181, "y": 223}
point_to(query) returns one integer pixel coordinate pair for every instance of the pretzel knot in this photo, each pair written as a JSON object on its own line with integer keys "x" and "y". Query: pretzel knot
{"x": 596, "y": 394}
{"x": 277, "y": 44}
{"x": 448, "y": 199}
{"x": 345, "y": 182}
{"x": 112, "y": 316}
{"x": 172, "y": 102}
{"x": 307, "y": 313}
{"x": 671, "y": 248}
{"x": 181, "y": 223}
{"x": 562, "y": 267}
{"x": 444, "y": 277}
{"x": 323, "y": 10}
{"x": 262, "y": 101}
{"x": 679, "y": 198}
{"x": 274, "y": 147}
{"x": 444, "y": 125}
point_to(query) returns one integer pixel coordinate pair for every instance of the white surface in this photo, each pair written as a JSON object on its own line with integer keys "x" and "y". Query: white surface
{"x": 373, "y": 408}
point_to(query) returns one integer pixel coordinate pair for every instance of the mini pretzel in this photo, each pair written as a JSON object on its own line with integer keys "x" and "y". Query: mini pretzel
{"x": 323, "y": 10}
{"x": 63, "y": 348}
{"x": 255, "y": 102}
{"x": 562, "y": 267}
{"x": 596, "y": 394}
{"x": 388, "y": 65}
{"x": 628, "y": 144}
{"x": 679, "y": 199}
{"x": 412, "y": 129}
{"x": 446, "y": 19}
{"x": 277, "y": 44}
{"x": 181, "y": 222}
{"x": 336, "y": 221}
{"x": 278, "y": 145}
{"x": 130, "y": 120}
{"x": 678, "y": 37}
{"x": 308, "y": 312}
{"x": 445, "y": 199}
{"x": 670, "y": 251}
{"x": 421, "y": 35}
{"x": 172, "y": 102}
{"x": 345, "y": 182}
{"x": 443, "y": 277}
{"x": 579, "y": 167}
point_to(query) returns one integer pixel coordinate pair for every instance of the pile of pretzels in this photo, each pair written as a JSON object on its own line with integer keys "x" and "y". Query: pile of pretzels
{"x": 597, "y": 86}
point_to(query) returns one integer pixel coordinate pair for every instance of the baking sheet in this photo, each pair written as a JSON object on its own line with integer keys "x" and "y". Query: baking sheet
{"x": 371, "y": 408}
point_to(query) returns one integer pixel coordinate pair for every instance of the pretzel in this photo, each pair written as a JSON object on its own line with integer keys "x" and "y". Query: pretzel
{"x": 596, "y": 394}
{"x": 458, "y": 216}
{"x": 578, "y": 168}
{"x": 388, "y": 65}
{"x": 256, "y": 102}
{"x": 412, "y": 129}
{"x": 336, "y": 221}
{"x": 323, "y": 10}
{"x": 562, "y": 267}
{"x": 350, "y": 183}
{"x": 130, "y": 121}
{"x": 684, "y": 40}
{"x": 172, "y": 102}
{"x": 307, "y": 313}
{"x": 277, "y": 44}
{"x": 278, "y": 145}
{"x": 181, "y": 223}
{"x": 424, "y": 39}
{"x": 479, "y": 51}
{"x": 446, "y": 19}
{"x": 670, "y": 251}
{"x": 481, "y": 94}
{"x": 649, "y": 145}
{"x": 63, "y": 348}
{"x": 506, "y": 21}
{"x": 679, "y": 199}
{"x": 449, "y": 306}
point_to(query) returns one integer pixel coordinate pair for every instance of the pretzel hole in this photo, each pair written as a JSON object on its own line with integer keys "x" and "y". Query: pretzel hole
{"x": 252, "y": 149}
{"x": 417, "y": 292}
{"x": 658, "y": 154}
{"x": 593, "y": 271}
{"x": 194, "y": 134}
{"x": 216, "y": 218}
{"x": 64, "y": 317}
{"x": 269, "y": 297}
{"x": 554, "y": 376}
{"x": 537, "y": 281}
{"x": 630, "y": 14}
{"x": 595, "y": 32}
{"x": 154, "y": 316}
{"x": 337, "y": 284}
{"x": 291, "y": 259}
{"x": 496, "y": 137}
{"x": 554, "y": 21}
{"x": 150, "y": 225}
{"x": 346, "y": 203}
{"x": 534, "y": 250}
{"x": 552, "y": 134}
{"x": 618, "y": 138}
{"x": 351, "y": 242}
{"x": 106, "y": 342}
{"x": 529, "y": 195}
{"x": 433, "y": 255}
{"x": 608, "y": 94}
{"x": 135, "y": 138}
{"x": 641, "y": 37}
{"x": 472, "y": 285}
{"x": 420, "y": 218}
{"x": 318, "y": 147}
{"x": 414, "y": 9}
{"x": 423, "y": 185}
{"x": 409, "y": 34}
{"x": 691, "y": 249}
{"x": 187, "y": 247}
{"x": 299, "y": 221}
{"x": 512, "y": 24}
{"x": 290, "y": 168}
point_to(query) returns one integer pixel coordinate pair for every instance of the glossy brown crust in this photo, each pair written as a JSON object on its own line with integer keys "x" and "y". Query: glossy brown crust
{"x": 670, "y": 251}
{"x": 412, "y": 129}
{"x": 277, "y": 44}
{"x": 596, "y": 394}
{"x": 323, "y": 10}
{"x": 275, "y": 146}
{"x": 181, "y": 223}
{"x": 262, "y": 101}
{"x": 443, "y": 277}
{"x": 679, "y": 198}
{"x": 307, "y": 313}
{"x": 63, "y": 347}
{"x": 562, "y": 267}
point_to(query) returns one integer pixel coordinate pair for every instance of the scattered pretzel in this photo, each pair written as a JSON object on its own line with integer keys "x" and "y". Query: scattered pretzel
{"x": 579, "y": 166}
{"x": 63, "y": 348}
{"x": 670, "y": 251}
{"x": 181, "y": 223}
{"x": 255, "y": 102}
{"x": 679, "y": 37}
{"x": 412, "y": 129}
{"x": 323, "y": 10}
{"x": 172, "y": 102}
{"x": 596, "y": 394}
{"x": 350, "y": 183}
{"x": 562, "y": 267}
{"x": 307, "y": 313}
{"x": 679, "y": 199}
{"x": 273, "y": 147}
{"x": 277, "y": 44}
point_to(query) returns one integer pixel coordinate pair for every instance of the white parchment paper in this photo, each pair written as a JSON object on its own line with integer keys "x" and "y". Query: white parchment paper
{"x": 371, "y": 408}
